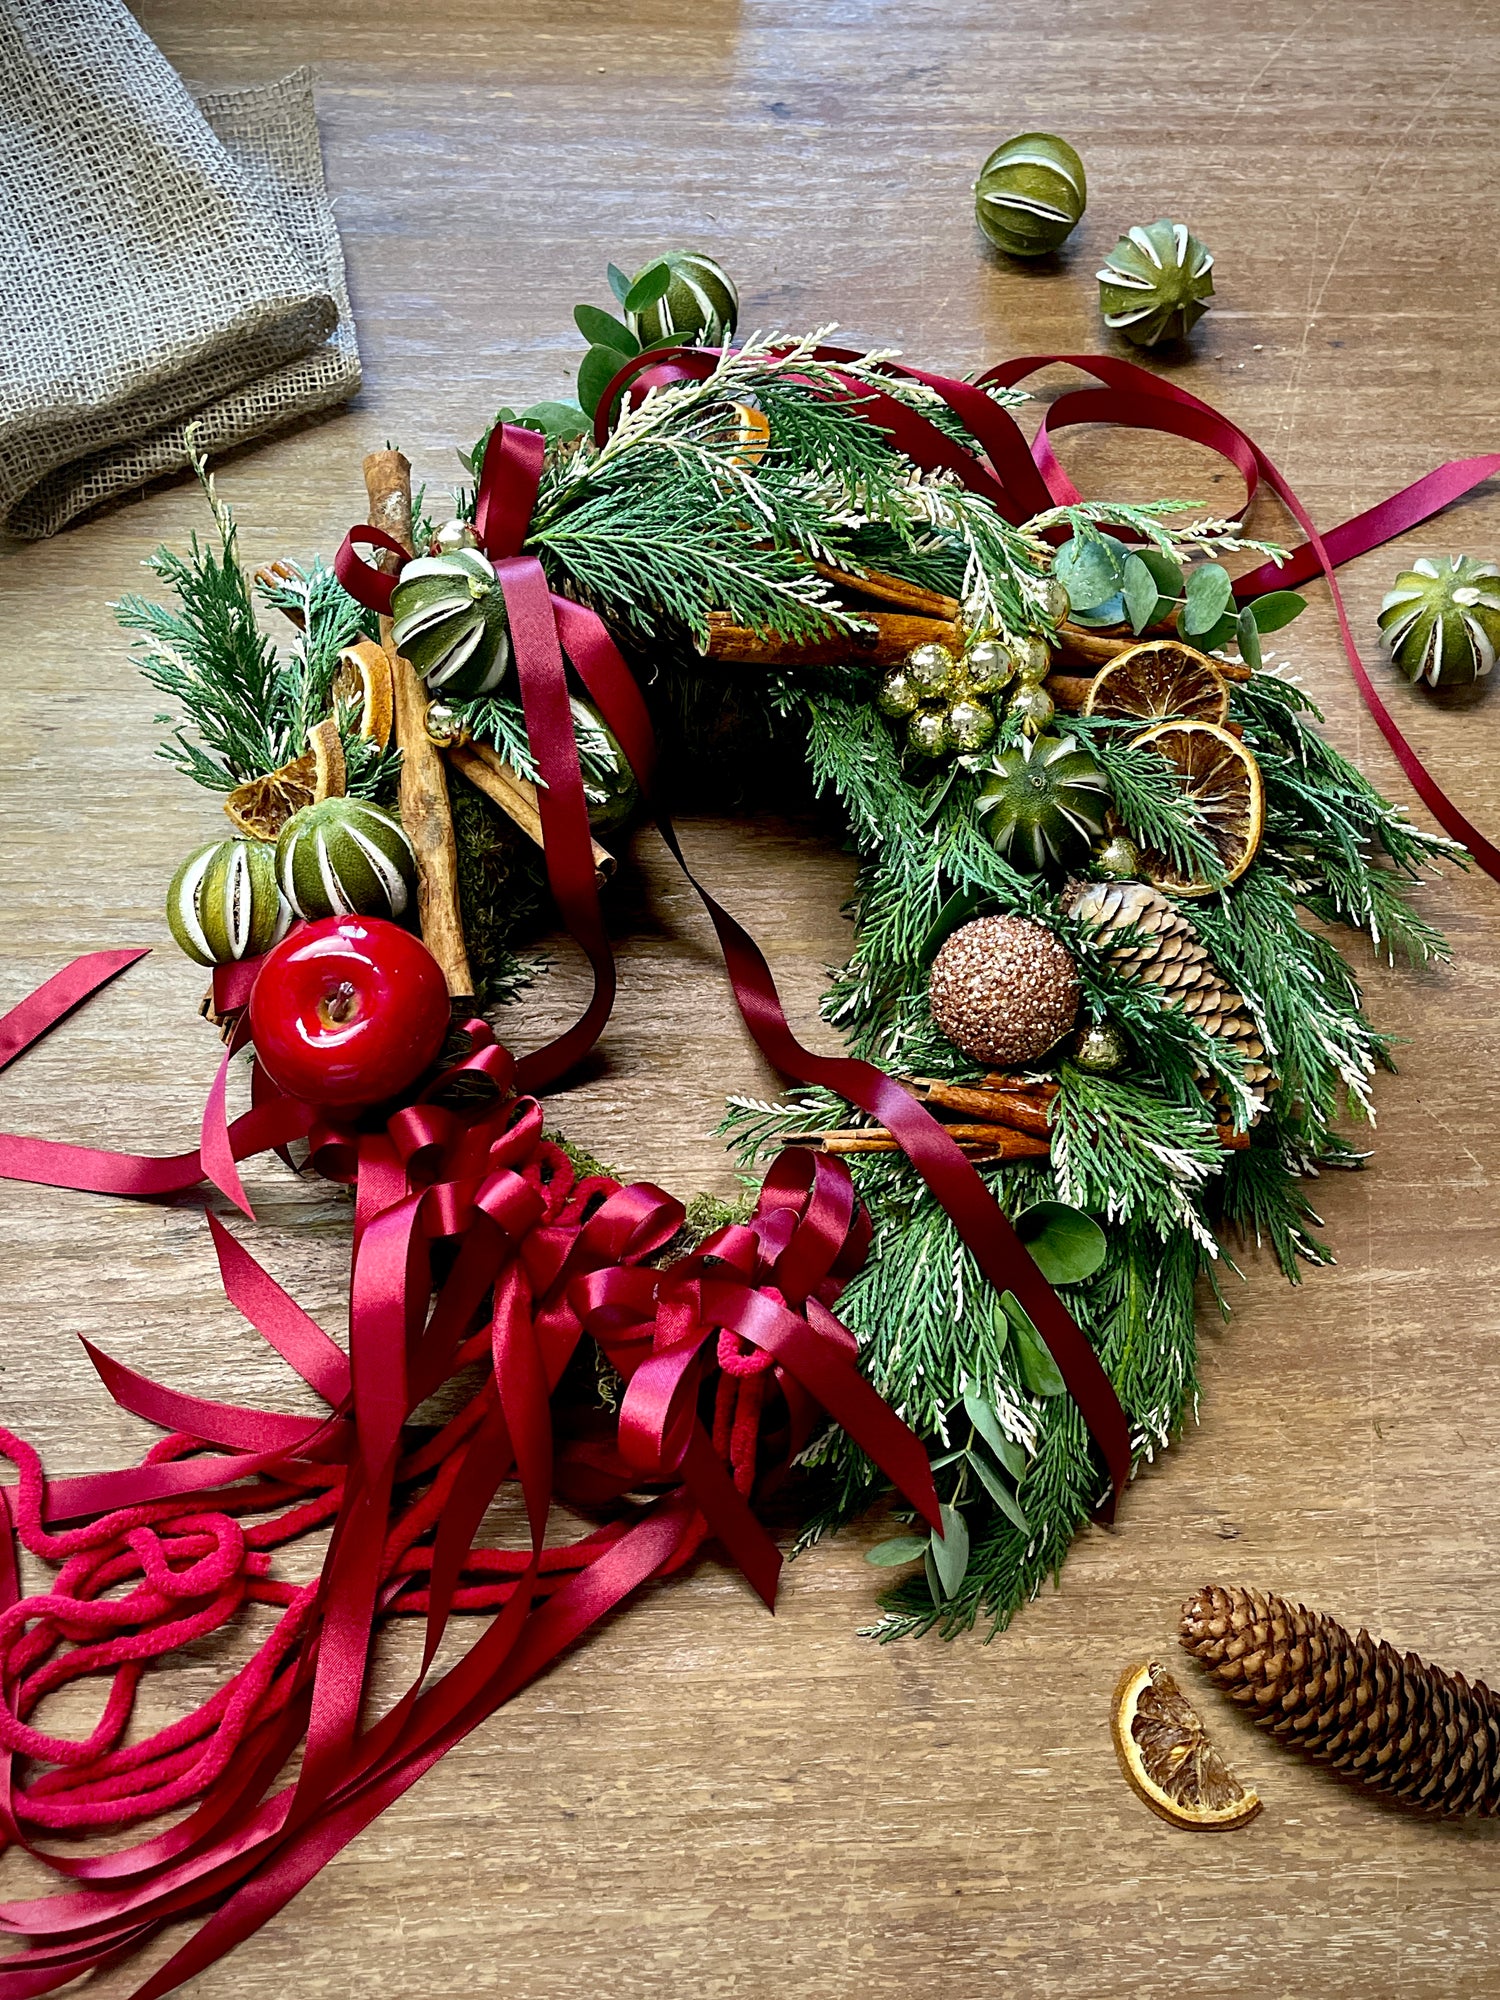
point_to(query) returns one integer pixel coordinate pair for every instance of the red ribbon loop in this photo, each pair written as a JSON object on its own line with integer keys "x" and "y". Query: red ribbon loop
{"x": 369, "y": 586}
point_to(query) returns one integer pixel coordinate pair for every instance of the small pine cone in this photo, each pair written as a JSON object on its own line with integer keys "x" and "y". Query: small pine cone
{"x": 1160, "y": 946}
{"x": 1386, "y": 1719}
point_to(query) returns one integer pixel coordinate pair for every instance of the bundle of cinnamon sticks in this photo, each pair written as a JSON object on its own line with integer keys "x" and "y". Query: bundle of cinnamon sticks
{"x": 998, "y": 1118}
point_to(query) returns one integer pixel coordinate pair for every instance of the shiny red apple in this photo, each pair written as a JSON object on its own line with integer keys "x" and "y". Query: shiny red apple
{"x": 348, "y": 1011}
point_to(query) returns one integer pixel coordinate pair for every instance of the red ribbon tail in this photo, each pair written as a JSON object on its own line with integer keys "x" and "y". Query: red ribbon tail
{"x": 215, "y": 1151}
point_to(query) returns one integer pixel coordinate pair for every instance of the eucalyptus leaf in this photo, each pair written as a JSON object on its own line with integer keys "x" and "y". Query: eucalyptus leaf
{"x": 1111, "y": 612}
{"x": 1247, "y": 638}
{"x": 999, "y": 1492}
{"x": 899, "y": 1549}
{"x": 950, "y": 1555}
{"x": 619, "y": 284}
{"x": 1277, "y": 608}
{"x": 960, "y": 906}
{"x": 596, "y": 371}
{"x": 1141, "y": 594}
{"x": 1217, "y": 635}
{"x": 1066, "y": 1245}
{"x": 1167, "y": 571}
{"x": 1208, "y": 594}
{"x": 558, "y": 421}
{"x": 1038, "y": 1370}
{"x": 604, "y": 330}
{"x": 948, "y": 1458}
{"x": 985, "y": 1421}
{"x": 934, "y": 1583}
{"x": 1002, "y": 1322}
{"x": 650, "y": 286}
{"x": 1091, "y": 569}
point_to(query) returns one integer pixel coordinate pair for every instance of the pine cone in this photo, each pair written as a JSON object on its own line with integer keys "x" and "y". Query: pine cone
{"x": 1389, "y": 1720}
{"x": 1163, "y": 948}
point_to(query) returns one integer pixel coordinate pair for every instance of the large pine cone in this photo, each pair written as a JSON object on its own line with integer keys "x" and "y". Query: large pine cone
{"x": 1389, "y": 1720}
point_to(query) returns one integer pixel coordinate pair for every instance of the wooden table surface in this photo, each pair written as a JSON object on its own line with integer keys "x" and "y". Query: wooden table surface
{"x": 704, "y": 1800}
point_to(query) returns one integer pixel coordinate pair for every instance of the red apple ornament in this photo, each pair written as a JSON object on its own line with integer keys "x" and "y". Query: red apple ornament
{"x": 348, "y": 1011}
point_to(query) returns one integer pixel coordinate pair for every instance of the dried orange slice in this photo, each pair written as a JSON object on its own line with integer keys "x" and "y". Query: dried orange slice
{"x": 330, "y": 772}
{"x": 363, "y": 675}
{"x": 1161, "y": 677}
{"x": 261, "y": 807}
{"x": 1219, "y": 772}
{"x": 1164, "y": 1751}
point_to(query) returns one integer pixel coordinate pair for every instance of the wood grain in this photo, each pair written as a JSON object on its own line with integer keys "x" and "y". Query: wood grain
{"x": 705, "y": 1801}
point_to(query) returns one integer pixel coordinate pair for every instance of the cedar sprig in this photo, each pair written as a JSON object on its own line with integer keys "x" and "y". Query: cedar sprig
{"x": 499, "y": 720}
{"x": 1138, "y": 1313}
{"x": 1153, "y": 522}
{"x": 1127, "y": 1151}
{"x": 1150, "y": 799}
{"x": 1262, "y": 1201}
{"x": 1350, "y": 853}
{"x": 1321, "y": 1046}
{"x": 210, "y": 657}
{"x": 245, "y": 709}
{"x": 672, "y": 518}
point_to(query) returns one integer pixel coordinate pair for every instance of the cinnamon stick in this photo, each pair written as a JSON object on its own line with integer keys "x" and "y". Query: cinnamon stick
{"x": 893, "y": 591}
{"x": 1068, "y": 691}
{"x": 1040, "y": 1090}
{"x": 1014, "y": 1108}
{"x": 425, "y": 812}
{"x": 500, "y": 782}
{"x": 994, "y": 1142}
{"x": 893, "y": 636}
{"x": 1076, "y": 646}
{"x": 984, "y": 1141}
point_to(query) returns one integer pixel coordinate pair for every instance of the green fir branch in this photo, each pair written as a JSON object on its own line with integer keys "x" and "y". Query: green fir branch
{"x": 1150, "y": 799}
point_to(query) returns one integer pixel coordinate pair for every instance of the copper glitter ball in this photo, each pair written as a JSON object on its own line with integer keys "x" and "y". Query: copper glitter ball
{"x": 1003, "y": 989}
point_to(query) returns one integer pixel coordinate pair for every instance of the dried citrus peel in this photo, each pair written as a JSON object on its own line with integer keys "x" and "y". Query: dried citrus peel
{"x": 261, "y": 807}
{"x": 363, "y": 676}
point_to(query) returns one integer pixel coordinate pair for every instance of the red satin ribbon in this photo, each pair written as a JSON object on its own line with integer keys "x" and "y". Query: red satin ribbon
{"x": 527, "y": 1249}
{"x": 1024, "y": 480}
{"x": 1138, "y": 400}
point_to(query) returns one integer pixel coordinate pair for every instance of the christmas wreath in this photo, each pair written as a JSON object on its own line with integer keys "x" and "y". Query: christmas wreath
{"x": 1097, "y": 1029}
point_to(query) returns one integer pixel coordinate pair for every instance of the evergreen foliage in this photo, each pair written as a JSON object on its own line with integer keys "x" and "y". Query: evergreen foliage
{"x": 243, "y": 708}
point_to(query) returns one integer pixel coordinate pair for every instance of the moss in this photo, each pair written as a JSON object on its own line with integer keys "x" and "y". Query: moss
{"x": 501, "y": 891}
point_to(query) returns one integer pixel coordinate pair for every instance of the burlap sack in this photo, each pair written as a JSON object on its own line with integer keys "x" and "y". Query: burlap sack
{"x": 165, "y": 265}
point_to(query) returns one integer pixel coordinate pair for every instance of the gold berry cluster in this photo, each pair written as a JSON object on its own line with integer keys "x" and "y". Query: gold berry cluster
{"x": 947, "y": 701}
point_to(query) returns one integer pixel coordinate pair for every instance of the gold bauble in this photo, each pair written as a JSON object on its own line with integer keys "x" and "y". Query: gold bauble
{"x": 445, "y": 726}
{"x": 452, "y": 535}
{"x": 970, "y": 726}
{"x": 898, "y": 695}
{"x": 988, "y": 666}
{"x": 1101, "y": 1048}
{"x": 931, "y": 668}
{"x": 1032, "y": 707}
{"x": 927, "y": 733}
{"x": 1119, "y": 857}
{"x": 1033, "y": 659}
